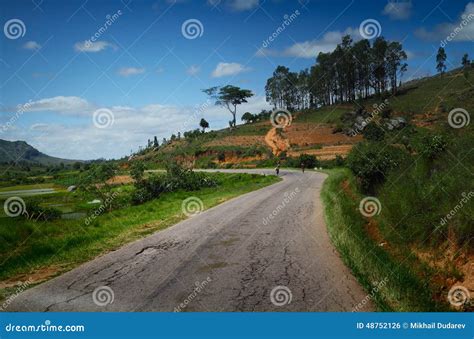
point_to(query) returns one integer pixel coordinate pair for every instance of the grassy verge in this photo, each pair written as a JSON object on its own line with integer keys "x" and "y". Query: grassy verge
{"x": 56, "y": 246}
{"x": 402, "y": 288}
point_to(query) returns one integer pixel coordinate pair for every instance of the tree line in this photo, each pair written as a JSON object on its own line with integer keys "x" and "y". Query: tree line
{"x": 352, "y": 71}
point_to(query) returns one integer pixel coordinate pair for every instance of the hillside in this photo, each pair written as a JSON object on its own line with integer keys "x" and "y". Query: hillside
{"x": 21, "y": 152}
{"x": 323, "y": 132}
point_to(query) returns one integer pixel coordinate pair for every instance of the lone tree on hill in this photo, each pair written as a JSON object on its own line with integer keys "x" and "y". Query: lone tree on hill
{"x": 203, "y": 124}
{"x": 229, "y": 97}
{"x": 465, "y": 60}
{"x": 440, "y": 60}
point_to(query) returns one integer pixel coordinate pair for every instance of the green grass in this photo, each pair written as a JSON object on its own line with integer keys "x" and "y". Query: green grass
{"x": 323, "y": 115}
{"x": 258, "y": 128}
{"x": 437, "y": 93}
{"x": 424, "y": 96}
{"x": 26, "y": 245}
{"x": 29, "y": 187}
{"x": 404, "y": 290}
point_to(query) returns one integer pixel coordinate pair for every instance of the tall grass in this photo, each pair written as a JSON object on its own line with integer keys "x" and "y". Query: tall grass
{"x": 403, "y": 289}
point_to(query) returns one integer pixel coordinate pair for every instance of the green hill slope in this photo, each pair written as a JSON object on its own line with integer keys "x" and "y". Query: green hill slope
{"x": 322, "y": 132}
{"x": 21, "y": 152}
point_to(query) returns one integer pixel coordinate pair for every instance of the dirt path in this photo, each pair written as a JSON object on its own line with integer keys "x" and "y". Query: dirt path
{"x": 276, "y": 142}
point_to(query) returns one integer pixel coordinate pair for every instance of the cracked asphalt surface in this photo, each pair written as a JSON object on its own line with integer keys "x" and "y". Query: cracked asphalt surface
{"x": 227, "y": 258}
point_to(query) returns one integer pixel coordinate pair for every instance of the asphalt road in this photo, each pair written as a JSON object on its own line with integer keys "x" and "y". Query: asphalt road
{"x": 228, "y": 258}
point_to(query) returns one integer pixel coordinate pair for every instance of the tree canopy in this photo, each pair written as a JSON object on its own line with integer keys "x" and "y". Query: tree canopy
{"x": 203, "y": 124}
{"x": 351, "y": 71}
{"x": 229, "y": 97}
{"x": 440, "y": 60}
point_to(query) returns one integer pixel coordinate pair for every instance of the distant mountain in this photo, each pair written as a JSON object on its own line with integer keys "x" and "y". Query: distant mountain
{"x": 20, "y": 151}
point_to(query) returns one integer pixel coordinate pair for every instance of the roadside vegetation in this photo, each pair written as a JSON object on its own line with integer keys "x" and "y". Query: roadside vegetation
{"x": 391, "y": 281}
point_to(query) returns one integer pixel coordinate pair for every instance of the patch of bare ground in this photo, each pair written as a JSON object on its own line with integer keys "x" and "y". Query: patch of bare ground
{"x": 34, "y": 277}
{"x": 347, "y": 189}
{"x": 302, "y": 134}
{"x": 237, "y": 140}
{"x": 325, "y": 152}
{"x": 231, "y": 158}
{"x": 454, "y": 267}
{"x": 277, "y": 141}
{"x": 120, "y": 180}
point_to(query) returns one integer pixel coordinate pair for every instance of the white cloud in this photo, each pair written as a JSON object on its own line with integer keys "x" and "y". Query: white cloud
{"x": 39, "y": 127}
{"x": 226, "y": 69}
{"x": 243, "y": 5}
{"x": 92, "y": 47}
{"x": 32, "y": 45}
{"x": 132, "y": 128}
{"x": 60, "y": 104}
{"x": 461, "y": 30}
{"x": 398, "y": 10}
{"x": 311, "y": 48}
{"x": 193, "y": 70}
{"x": 128, "y": 71}
{"x": 235, "y": 5}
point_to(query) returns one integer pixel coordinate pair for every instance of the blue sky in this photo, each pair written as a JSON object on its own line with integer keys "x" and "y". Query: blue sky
{"x": 147, "y": 75}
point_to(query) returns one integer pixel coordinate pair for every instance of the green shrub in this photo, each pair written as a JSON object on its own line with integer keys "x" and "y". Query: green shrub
{"x": 137, "y": 170}
{"x": 373, "y": 132}
{"x": 176, "y": 178}
{"x": 205, "y": 162}
{"x": 148, "y": 189}
{"x": 432, "y": 146}
{"x": 339, "y": 161}
{"x": 36, "y": 212}
{"x": 386, "y": 113}
{"x": 221, "y": 156}
{"x": 370, "y": 163}
{"x": 308, "y": 161}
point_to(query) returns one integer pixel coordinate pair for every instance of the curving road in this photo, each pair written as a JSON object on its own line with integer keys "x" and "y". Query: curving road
{"x": 228, "y": 258}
